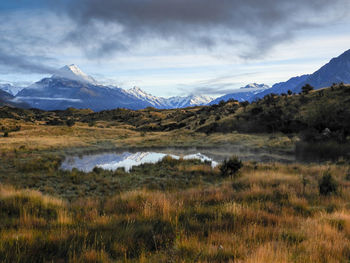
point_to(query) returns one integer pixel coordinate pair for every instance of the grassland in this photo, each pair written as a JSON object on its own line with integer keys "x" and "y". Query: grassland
{"x": 177, "y": 210}
{"x": 272, "y": 213}
{"x": 37, "y": 137}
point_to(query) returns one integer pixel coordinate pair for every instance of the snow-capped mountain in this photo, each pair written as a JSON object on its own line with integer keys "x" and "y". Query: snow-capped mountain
{"x": 282, "y": 87}
{"x": 157, "y": 102}
{"x": 255, "y": 87}
{"x": 9, "y": 88}
{"x": 335, "y": 71}
{"x": 70, "y": 87}
{"x": 189, "y": 101}
{"x": 73, "y": 72}
{"x": 76, "y": 89}
{"x": 243, "y": 94}
{"x": 172, "y": 102}
{"x": 7, "y": 99}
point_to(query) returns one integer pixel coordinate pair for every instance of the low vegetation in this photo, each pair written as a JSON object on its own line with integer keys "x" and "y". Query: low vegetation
{"x": 179, "y": 210}
{"x": 174, "y": 211}
{"x": 320, "y": 114}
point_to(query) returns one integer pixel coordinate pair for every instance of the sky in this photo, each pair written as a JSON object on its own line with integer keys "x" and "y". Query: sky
{"x": 171, "y": 47}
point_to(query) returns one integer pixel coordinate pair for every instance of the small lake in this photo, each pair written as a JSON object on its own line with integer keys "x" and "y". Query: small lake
{"x": 112, "y": 160}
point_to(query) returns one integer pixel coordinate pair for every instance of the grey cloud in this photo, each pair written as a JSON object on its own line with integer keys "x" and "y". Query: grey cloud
{"x": 203, "y": 23}
{"x": 24, "y": 64}
{"x": 103, "y": 27}
{"x": 216, "y": 86}
{"x": 27, "y": 43}
{"x": 213, "y": 89}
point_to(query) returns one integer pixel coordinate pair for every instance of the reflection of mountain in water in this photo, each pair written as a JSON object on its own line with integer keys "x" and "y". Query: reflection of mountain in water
{"x": 113, "y": 161}
{"x": 87, "y": 162}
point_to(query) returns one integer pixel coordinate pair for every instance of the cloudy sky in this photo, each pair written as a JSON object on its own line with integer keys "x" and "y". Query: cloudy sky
{"x": 172, "y": 47}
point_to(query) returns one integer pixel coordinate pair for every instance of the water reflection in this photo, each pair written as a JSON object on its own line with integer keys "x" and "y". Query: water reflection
{"x": 126, "y": 160}
{"x": 304, "y": 153}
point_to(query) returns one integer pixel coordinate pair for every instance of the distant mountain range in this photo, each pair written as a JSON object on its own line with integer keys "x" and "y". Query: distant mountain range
{"x": 335, "y": 71}
{"x": 70, "y": 87}
{"x": 9, "y": 88}
{"x": 243, "y": 94}
{"x": 7, "y": 99}
{"x": 170, "y": 103}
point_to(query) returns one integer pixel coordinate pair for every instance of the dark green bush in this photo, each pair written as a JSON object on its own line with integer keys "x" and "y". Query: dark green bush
{"x": 70, "y": 122}
{"x": 231, "y": 167}
{"x": 327, "y": 184}
{"x": 307, "y": 88}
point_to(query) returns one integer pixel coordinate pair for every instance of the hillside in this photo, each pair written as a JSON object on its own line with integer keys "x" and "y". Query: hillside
{"x": 61, "y": 93}
{"x": 313, "y": 112}
{"x": 7, "y": 99}
{"x": 246, "y": 93}
{"x": 176, "y": 209}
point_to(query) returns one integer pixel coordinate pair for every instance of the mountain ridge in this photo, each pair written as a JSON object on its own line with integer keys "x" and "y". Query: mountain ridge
{"x": 71, "y": 87}
{"x": 243, "y": 94}
{"x": 172, "y": 102}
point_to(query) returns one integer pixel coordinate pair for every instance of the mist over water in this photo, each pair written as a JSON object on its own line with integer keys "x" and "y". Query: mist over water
{"x": 112, "y": 160}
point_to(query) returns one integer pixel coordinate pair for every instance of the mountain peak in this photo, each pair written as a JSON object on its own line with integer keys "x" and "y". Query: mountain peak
{"x": 73, "y": 72}
{"x": 255, "y": 86}
{"x": 137, "y": 89}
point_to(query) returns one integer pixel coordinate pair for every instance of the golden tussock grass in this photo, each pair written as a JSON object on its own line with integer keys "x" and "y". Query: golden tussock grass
{"x": 267, "y": 215}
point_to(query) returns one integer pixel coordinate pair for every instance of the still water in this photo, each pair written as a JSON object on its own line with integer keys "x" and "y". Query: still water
{"x": 113, "y": 160}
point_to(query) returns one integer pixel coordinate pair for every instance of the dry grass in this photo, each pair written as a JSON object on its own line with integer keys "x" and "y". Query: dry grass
{"x": 38, "y": 136}
{"x": 265, "y": 216}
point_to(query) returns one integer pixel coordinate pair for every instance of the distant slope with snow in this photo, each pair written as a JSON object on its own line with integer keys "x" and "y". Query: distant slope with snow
{"x": 170, "y": 103}
{"x": 76, "y": 89}
{"x": 73, "y": 72}
{"x": 246, "y": 93}
{"x": 9, "y": 88}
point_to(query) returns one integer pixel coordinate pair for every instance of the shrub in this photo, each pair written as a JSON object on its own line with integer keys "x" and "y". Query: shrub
{"x": 327, "y": 184}
{"x": 307, "y": 88}
{"x": 6, "y": 134}
{"x": 230, "y": 167}
{"x": 347, "y": 176}
{"x": 70, "y": 122}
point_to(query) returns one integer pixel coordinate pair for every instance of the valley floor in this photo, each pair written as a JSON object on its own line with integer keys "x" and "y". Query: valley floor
{"x": 171, "y": 211}
{"x": 175, "y": 211}
{"x": 38, "y": 136}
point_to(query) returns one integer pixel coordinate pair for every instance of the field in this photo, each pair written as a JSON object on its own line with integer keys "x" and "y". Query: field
{"x": 177, "y": 210}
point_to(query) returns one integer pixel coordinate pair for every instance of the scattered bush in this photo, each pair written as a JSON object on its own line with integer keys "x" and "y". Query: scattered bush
{"x": 70, "y": 122}
{"x": 327, "y": 184}
{"x": 231, "y": 167}
{"x": 307, "y": 88}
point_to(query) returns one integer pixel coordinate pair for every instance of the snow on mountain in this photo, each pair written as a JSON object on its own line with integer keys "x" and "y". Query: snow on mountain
{"x": 9, "y": 88}
{"x": 70, "y": 87}
{"x": 7, "y": 99}
{"x": 73, "y": 72}
{"x": 157, "y": 102}
{"x": 76, "y": 89}
{"x": 282, "y": 87}
{"x": 255, "y": 87}
{"x": 189, "y": 101}
{"x": 246, "y": 93}
{"x": 169, "y": 103}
